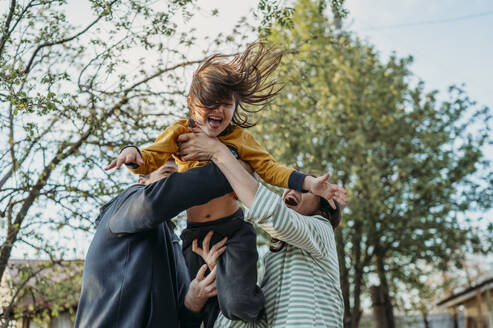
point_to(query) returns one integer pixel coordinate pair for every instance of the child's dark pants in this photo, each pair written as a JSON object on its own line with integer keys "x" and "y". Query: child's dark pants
{"x": 238, "y": 296}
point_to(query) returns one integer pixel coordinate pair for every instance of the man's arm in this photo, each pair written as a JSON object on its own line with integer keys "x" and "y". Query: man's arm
{"x": 162, "y": 200}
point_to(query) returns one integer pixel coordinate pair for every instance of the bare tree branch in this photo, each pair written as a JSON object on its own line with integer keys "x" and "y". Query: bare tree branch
{"x": 64, "y": 150}
{"x": 6, "y": 28}
{"x": 75, "y": 36}
{"x": 26, "y": 154}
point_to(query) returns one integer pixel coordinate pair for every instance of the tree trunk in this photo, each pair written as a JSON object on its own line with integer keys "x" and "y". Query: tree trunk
{"x": 378, "y": 304}
{"x": 343, "y": 271}
{"x": 425, "y": 319}
{"x": 356, "y": 310}
{"x": 389, "y": 311}
{"x": 358, "y": 275}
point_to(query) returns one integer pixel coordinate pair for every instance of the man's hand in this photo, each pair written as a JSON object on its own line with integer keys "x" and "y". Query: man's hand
{"x": 197, "y": 146}
{"x": 209, "y": 254}
{"x": 128, "y": 155}
{"x": 320, "y": 187}
{"x": 201, "y": 289}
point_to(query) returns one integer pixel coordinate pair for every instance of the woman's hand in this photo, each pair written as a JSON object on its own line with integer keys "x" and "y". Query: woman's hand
{"x": 209, "y": 254}
{"x": 201, "y": 289}
{"x": 127, "y": 156}
{"x": 197, "y": 146}
{"x": 320, "y": 187}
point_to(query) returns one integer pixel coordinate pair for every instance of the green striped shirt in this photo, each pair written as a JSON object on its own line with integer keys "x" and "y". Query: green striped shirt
{"x": 301, "y": 282}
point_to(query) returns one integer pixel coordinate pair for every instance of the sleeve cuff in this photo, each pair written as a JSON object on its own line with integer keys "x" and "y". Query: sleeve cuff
{"x": 264, "y": 205}
{"x": 295, "y": 181}
{"x": 189, "y": 318}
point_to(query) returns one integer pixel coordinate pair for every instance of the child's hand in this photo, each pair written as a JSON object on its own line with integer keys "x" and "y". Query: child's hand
{"x": 211, "y": 255}
{"x": 320, "y": 187}
{"x": 127, "y": 156}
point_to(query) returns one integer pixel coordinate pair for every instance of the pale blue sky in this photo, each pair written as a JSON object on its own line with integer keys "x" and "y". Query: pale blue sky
{"x": 450, "y": 51}
{"x": 459, "y": 51}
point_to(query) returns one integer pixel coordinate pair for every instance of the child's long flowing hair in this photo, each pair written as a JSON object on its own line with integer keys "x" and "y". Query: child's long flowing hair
{"x": 247, "y": 78}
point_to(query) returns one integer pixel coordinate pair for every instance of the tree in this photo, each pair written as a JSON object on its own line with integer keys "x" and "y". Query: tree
{"x": 41, "y": 290}
{"x": 412, "y": 164}
{"x": 71, "y": 96}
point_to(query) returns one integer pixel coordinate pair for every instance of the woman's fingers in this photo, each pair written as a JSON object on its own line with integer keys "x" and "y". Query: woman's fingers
{"x": 210, "y": 290}
{"x": 213, "y": 292}
{"x": 196, "y": 249}
{"x": 219, "y": 252}
{"x": 211, "y": 277}
{"x": 214, "y": 256}
{"x": 206, "y": 243}
{"x": 219, "y": 244}
{"x": 201, "y": 274}
{"x": 184, "y": 137}
{"x": 186, "y": 158}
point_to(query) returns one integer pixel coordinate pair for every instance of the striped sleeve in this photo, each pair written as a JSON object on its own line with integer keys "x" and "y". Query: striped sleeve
{"x": 305, "y": 232}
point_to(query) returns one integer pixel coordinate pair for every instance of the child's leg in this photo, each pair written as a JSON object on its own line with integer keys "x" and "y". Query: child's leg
{"x": 237, "y": 291}
{"x": 222, "y": 228}
{"x": 238, "y": 294}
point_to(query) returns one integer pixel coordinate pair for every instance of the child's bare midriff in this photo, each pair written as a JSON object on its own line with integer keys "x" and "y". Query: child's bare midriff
{"x": 217, "y": 208}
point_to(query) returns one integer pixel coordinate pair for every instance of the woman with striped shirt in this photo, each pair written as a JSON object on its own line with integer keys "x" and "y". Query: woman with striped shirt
{"x": 301, "y": 278}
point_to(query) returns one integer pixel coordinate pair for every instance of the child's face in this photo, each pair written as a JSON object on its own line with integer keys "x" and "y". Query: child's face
{"x": 213, "y": 121}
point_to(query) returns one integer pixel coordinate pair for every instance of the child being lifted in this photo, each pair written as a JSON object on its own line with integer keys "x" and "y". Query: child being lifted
{"x": 221, "y": 96}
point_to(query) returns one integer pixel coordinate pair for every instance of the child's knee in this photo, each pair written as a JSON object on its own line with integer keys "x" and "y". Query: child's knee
{"x": 242, "y": 307}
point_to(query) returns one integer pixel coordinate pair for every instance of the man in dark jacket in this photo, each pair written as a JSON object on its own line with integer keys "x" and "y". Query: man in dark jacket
{"x": 130, "y": 273}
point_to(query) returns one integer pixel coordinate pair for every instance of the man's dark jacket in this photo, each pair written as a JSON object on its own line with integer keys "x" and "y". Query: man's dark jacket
{"x": 129, "y": 275}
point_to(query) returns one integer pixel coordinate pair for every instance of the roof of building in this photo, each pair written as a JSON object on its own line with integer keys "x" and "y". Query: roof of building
{"x": 468, "y": 293}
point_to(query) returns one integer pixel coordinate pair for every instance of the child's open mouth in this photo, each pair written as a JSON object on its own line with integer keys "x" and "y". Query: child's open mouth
{"x": 214, "y": 122}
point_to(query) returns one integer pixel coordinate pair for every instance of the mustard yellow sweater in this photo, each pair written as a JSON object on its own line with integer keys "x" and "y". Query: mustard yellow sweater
{"x": 248, "y": 149}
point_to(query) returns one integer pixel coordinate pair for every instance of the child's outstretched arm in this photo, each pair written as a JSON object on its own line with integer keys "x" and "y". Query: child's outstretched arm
{"x": 151, "y": 157}
{"x": 277, "y": 175}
